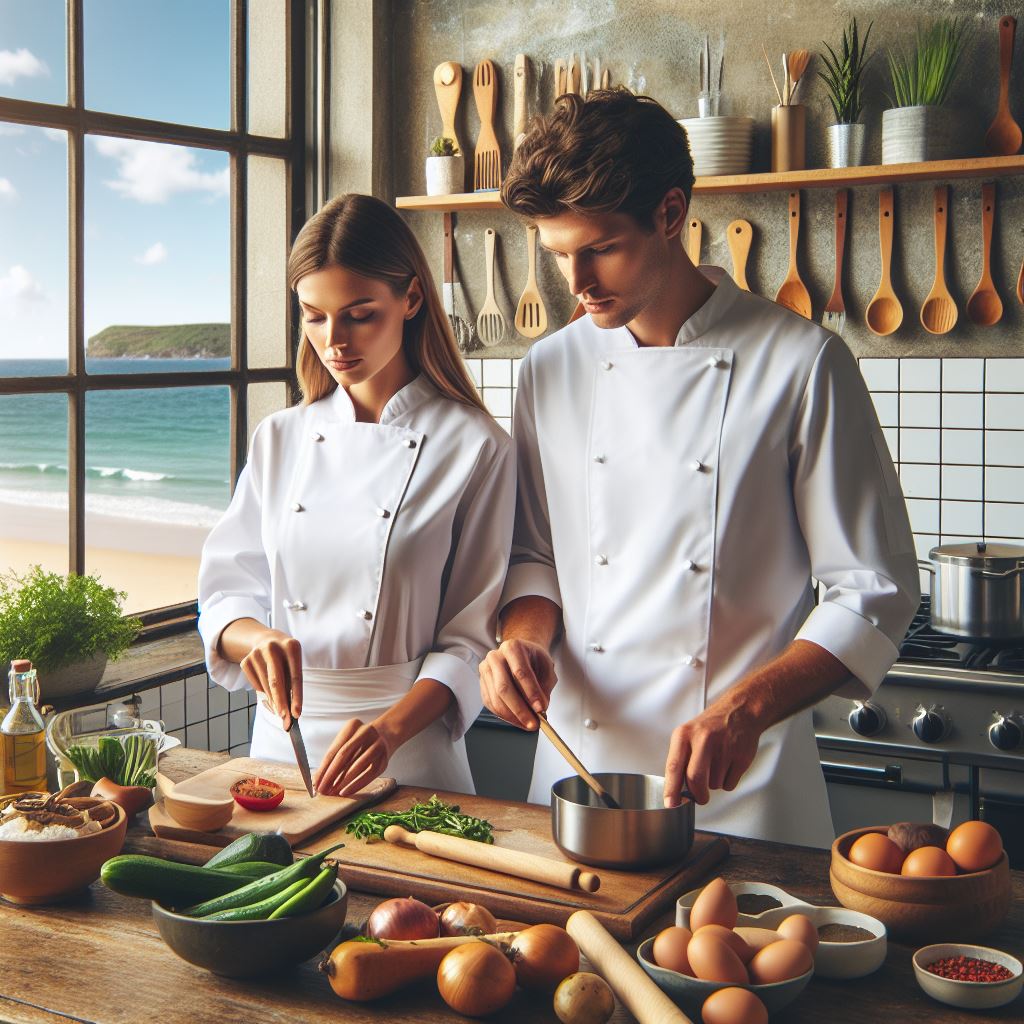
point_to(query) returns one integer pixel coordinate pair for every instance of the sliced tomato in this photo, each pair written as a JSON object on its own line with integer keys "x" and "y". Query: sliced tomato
{"x": 257, "y": 794}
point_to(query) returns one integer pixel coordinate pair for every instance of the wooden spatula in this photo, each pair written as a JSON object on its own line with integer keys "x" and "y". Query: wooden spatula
{"x": 834, "y": 317}
{"x": 885, "y": 313}
{"x": 694, "y": 233}
{"x": 487, "y": 158}
{"x": 939, "y": 312}
{"x": 985, "y": 307}
{"x": 740, "y": 234}
{"x": 1004, "y": 135}
{"x": 448, "y": 89}
{"x": 531, "y": 316}
{"x": 490, "y": 324}
{"x": 793, "y": 294}
{"x": 519, "y": 100}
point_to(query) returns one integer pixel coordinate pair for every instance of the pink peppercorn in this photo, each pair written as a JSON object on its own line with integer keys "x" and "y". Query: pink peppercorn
{"x": 969, "y": 968}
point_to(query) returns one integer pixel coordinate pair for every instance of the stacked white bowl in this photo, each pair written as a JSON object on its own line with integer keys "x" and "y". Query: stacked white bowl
{"x": 720, "y": 145}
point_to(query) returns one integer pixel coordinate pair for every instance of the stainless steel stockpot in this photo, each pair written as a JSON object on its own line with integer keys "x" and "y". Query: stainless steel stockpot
{"x": 642, "y": 832}
{"x": 977, "y": 590}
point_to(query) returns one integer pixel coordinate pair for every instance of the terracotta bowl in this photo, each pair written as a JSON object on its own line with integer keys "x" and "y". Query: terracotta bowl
{"x": 35, "y": 873}
{"x": 961, "y": 907}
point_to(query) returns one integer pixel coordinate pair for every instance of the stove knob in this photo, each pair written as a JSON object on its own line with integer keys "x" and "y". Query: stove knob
{"x": 866, "y": 719}
{"x": 931, "y": 726}
{"x": 1005, "y": 733}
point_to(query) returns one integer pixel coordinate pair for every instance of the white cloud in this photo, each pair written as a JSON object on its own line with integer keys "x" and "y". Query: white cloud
{"x": 19, "y": 290}
{"x": 6, "y": 128}
{"x": 15, "y": 64}
{"x": 152, "y": 172}
{"x": 7, "y": 190}
{"x": 156, "y": 253}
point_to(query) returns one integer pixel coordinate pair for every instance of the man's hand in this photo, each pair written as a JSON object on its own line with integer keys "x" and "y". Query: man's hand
{"x": 711, "y": 751}
{"x": 359, "y": 754}
{"x": 516, "y": 681}
{"x": 274, "y": 667}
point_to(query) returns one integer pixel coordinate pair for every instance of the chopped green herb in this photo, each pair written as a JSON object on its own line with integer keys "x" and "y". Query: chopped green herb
{"x": 433, "y": 816}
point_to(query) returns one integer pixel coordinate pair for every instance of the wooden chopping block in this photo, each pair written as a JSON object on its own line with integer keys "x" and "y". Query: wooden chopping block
{"x": 509, "y": 862}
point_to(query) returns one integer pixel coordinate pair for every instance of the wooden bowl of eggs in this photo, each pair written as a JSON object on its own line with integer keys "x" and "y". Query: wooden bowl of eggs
{"x": 922, "y": 882}
{"x": 692, "y": 964}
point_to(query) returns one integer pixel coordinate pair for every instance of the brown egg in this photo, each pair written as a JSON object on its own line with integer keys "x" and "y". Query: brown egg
{"x": 928, "y": 862}
{"x": 669, "y": 949}
{"x": 756, "y": 938}
{"x": 730, "y": 938}
{"x": 877, "y": 853}
{"x": 974, "y": 845}
{"x": 780, "y": 961}
{"x": 715, "y": 905}
{"x": 713, "y": 960}
{"x": 801, "y": 928}
{"x": 733, "y": 1006}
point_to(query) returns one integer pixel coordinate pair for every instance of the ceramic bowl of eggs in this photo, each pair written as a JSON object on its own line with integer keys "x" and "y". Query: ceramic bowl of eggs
{"x": 712, "y": 967}
{"x": 922, "y": 881}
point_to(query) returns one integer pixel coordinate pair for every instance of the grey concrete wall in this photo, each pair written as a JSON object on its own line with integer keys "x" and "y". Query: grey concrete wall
{"x": 655, "y": 43}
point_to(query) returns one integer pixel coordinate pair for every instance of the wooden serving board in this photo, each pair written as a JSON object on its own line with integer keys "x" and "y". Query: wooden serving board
{"x": 626, "y": 902}
{"x": 297, "y": 817}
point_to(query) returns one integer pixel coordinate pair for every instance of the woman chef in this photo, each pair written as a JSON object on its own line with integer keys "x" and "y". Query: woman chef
{"x": 355, "y": 576}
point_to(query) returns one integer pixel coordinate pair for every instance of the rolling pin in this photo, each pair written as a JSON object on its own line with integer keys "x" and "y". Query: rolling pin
{"x": 635, "y": 990}
{"x": 509, "y": 862}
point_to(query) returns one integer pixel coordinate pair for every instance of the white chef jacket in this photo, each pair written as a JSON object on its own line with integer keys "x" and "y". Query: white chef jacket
{"x": 675, "y": 503}
{"x": 373, "y": 544}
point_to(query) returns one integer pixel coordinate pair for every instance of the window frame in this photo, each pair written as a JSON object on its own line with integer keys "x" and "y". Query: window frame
{"x": 239, "y": 144}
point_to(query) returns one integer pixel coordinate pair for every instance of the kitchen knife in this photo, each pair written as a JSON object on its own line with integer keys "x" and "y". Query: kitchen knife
{"x": 295, "y": 735}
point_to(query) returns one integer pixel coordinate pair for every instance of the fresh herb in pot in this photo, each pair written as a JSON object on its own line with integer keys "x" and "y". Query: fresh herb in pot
{"x": 433, "y": 816}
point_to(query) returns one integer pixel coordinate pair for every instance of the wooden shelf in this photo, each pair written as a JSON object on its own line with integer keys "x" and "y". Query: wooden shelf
{"x": 822, "y": 177}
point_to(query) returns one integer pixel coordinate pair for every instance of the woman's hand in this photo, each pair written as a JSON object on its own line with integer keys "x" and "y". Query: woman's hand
{"x": 274, "y": 667}
{"x": 516, "y": 681}
{"x": 359, "y": 754}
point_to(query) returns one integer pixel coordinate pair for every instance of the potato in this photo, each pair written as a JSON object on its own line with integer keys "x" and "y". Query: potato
{"x": 584, "y": 998}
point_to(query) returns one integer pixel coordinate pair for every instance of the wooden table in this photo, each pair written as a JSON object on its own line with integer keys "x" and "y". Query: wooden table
{"x": 100, "y": 959}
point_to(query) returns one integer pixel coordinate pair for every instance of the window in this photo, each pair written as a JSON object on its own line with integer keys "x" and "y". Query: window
{"x": 151, "y": 178}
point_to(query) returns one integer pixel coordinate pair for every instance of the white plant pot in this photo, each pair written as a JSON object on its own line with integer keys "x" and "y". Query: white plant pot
{"x": 915, "y": 134}
{"x": 446, "y": 175}
{"x": 846, "y": 144}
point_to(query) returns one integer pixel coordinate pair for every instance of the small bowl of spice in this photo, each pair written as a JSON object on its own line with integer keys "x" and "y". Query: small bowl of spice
{"x": 257, "y": 794}
{"x": 970, "y": 977}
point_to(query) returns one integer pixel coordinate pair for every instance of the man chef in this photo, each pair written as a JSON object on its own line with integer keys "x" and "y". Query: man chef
{"x": 692, "y": 458}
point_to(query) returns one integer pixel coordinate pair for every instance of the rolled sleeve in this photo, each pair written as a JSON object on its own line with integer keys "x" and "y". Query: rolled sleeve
{"x": 463, "y": 679}
{"x": 527, "y": 579}
{"x": 218, "y": 613}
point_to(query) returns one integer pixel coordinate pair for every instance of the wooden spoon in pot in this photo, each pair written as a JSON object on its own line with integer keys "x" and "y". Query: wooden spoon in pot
{"x": 939, "y": 312}
{"x": 1004, "y": 135}
{"x": 793, "y": 294}
{"x": 884, "y": 313}
{"x": 985, "y": 307}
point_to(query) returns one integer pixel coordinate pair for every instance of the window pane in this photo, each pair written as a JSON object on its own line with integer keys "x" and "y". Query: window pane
{"x": 267, "y": 250}
{"x": 33, "y": 50}
{"x": 168, "y": 60}
{"x": 33, "y": 482}
{"x": 156, "y": 481}
{"x": 268, "y": 68}
{"x": 265, "y": 399}
{"x": 157, "y": 255}
{"x": 33, "y": 250}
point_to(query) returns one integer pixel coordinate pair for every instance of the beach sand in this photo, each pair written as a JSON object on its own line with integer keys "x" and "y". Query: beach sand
{"x": 156, "y": 564}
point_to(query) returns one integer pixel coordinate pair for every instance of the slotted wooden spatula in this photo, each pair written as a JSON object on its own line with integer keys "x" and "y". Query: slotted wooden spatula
{"x": 490, "y": 324}
{"x": 531, "y": 316}
{"x": 487, "y": 157}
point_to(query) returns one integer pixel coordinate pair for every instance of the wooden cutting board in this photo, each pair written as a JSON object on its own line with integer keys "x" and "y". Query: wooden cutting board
{"x": 626, "y": 902}
{"x": 297, "y": 817}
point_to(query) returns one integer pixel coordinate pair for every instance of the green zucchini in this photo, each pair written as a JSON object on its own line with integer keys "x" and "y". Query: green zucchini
{"x": 311, "y": 897}
{"x": 271, "y": 847}
{"x": 262, "y": 910}
{"x": 249, "y": 869}
{"x": 152, "y": 878}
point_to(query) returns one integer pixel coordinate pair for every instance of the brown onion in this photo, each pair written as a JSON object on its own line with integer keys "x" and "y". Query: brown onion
{"x": 543, "y": 955}
{"x": 467, "y": 919}
{"x": 404, "y": 918}
{"x": 476, "y": 979}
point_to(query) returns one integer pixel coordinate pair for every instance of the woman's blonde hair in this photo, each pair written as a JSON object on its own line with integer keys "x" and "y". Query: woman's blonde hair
{"x": 368, "y": 237}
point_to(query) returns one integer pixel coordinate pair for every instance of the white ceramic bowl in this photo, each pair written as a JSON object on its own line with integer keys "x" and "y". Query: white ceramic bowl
{"x": 719, "y": 145}
{"x": 969, "y": 995}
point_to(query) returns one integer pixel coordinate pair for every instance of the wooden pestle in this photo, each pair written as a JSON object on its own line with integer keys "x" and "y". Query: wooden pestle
{"x": 494, "y": 858}
{"x": 637, "y": 992}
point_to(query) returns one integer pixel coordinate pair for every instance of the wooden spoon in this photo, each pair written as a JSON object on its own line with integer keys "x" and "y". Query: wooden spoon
{"x": 531, "y": 317}
{"x": 797, "y": 65}
{"x": 1004, "y": 135}
{"x": 884, "y": 313}
{"x": 939, "y": 312}
{"x": 577, "y": 765}
{"x": 1020, "y": 285}
{"x": 739, "y": 235}
{"x": 694, "y": 233}
{"x": 793, "y": 294}
{"x": 448, "y": 89}
{"x": 985, "y": 307}
{"x": 519, "y": 100}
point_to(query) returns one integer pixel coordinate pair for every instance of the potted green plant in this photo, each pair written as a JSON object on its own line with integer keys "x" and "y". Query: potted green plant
{"x": 842, "y": 78}
{"x": 446, "y": 169}
{"x": 919, "y": 126}
{"x": 67, "y": 626}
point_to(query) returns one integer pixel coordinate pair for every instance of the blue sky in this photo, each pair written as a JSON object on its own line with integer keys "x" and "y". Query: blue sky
{"x": 156, "y": 217}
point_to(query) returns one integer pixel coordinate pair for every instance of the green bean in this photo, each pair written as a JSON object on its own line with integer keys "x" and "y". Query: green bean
{"x": 433, "y": 816}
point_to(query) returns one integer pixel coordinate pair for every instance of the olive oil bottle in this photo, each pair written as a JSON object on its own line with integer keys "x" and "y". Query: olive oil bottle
{"x": 24, "y": 733}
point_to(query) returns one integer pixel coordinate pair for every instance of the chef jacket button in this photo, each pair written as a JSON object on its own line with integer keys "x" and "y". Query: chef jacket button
{"x": 317, "y": 436}
{"x": 716, "y": 362}
{"x": 599, "y": 458}
{"x": 601, "y": 560}
{"x": 295, "y": 606}
{"x": 690, "y": 564}
{"x": 589, "y": 723}
{"x": 689, "y": 659}
{"x": 606, "y": 364}
{"x": 364, "y": 613}
{"x": 409, "y": 443}
{"x": 697, "y": 466}
{"x": 596, "y": 648}
{"x": 383, "y": 513}
{"x": 298, "y": 507}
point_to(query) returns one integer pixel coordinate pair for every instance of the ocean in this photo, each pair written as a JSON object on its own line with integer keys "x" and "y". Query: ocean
{"x": 159, "y": 455}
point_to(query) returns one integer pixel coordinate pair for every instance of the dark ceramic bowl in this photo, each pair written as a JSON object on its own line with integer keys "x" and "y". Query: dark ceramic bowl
{"x": 244, "y": 949}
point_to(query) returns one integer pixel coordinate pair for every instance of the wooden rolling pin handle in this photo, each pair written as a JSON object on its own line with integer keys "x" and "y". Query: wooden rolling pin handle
{"x": 635, "y": 990}
{"x": 400, "y": 836}
{"x": 588, "y": 881}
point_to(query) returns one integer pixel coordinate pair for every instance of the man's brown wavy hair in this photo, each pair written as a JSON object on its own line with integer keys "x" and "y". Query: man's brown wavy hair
{"x": 612, "y": 152}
